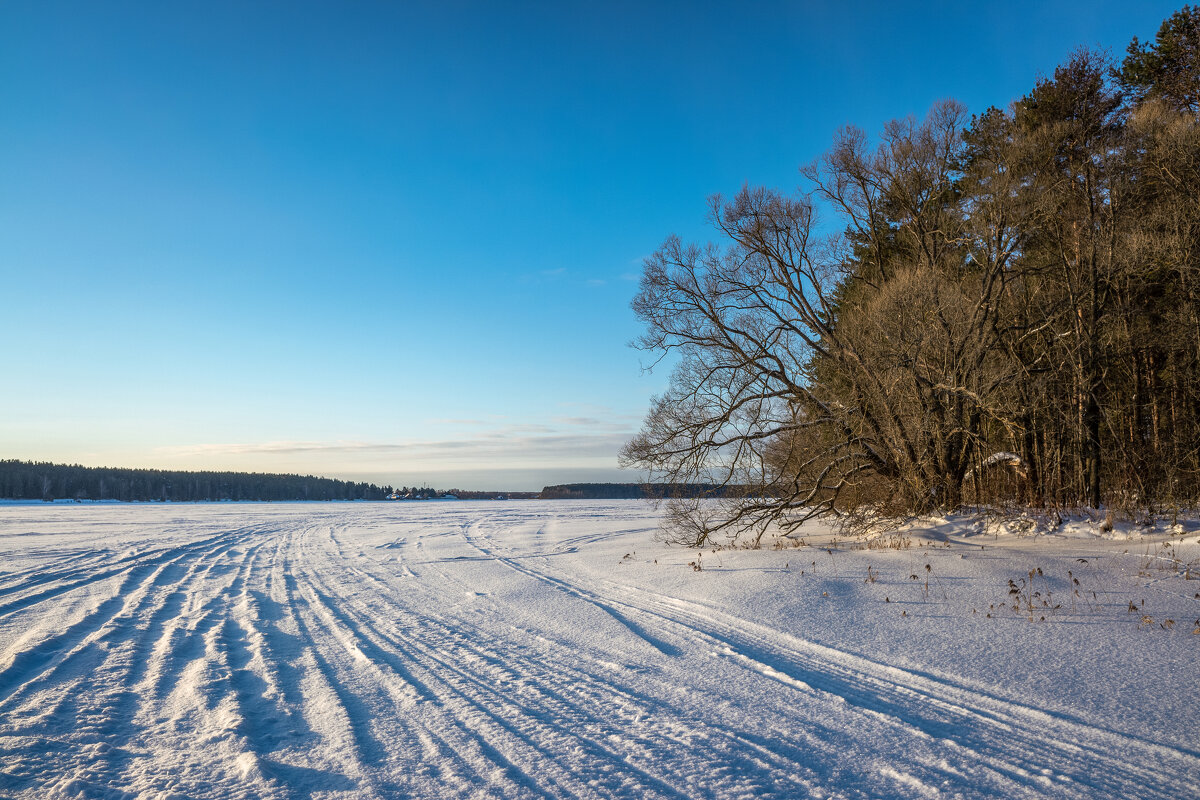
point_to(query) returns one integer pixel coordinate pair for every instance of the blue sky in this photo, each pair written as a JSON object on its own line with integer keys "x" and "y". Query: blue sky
{"x": 397, "y": 241}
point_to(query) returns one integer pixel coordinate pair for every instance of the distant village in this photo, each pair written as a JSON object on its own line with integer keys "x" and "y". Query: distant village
{"x": 574, "y": 491}
{"x": 425, "y": 493}
{"x": 405, "y": 493}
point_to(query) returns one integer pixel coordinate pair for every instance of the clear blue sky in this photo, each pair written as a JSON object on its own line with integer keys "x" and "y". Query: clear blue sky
{"x": 398, "y": 240}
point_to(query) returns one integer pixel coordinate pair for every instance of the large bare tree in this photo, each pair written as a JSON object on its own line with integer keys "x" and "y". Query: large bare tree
{"x": 819, "y": 376}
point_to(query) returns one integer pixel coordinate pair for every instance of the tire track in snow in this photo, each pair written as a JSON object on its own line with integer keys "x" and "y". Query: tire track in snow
{"x": 342, "y": 718}
{"x": 145, "y": 594}
{"x": 59, "y": 651}
{"x": 606, "y": 603}
{"x": 1007, "y": 737}
{"x": 791, "y": 766}
{"x": 477, "y": 727}
{"x": 240, "y": 689}
{"x": 252, "y": 690}
{"x": 133, "y": 691}
{"x": 222, "y": 677}
{"x": 816, "y": 757}
{"x": 88, "y": 576}
{"x": 484, "y": 726}
{"x": 110, "y": 660}
{"x": 393, "y": 690}
{"x": 559, "y": 704}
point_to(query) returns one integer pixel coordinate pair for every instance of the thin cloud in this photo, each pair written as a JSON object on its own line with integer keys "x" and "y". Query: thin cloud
{"x": 590, "y": 437}
{"x": 588, "y": 421}
{"x": 495, "y": 448}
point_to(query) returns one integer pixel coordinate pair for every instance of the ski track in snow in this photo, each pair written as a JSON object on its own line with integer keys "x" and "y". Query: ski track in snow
{"x": 459, "y": 650}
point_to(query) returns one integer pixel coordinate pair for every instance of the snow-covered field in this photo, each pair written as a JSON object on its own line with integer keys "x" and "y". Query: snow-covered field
{"x": 553, "y": 649}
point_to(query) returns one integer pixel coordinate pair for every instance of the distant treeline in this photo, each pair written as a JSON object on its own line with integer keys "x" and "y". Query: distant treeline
{"x": 28, "y": 480}
{"x": 37, "y": 480}
{"x": 633, "y": 491}
{"x": 468, "y": 494}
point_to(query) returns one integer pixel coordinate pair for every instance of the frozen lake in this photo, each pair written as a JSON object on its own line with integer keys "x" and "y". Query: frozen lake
{"x": 554, "y": 649}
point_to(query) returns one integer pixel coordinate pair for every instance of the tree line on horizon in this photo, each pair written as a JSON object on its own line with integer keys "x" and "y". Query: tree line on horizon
{"x": 30, "y": 480}
{"x": 46, "y": 481}
{"x": 37, "y": 480}
{"x": 1010, "y": 314}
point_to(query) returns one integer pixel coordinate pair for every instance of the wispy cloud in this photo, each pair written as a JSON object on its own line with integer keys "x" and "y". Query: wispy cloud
{"x": 495, "y": 448}
{"x": 594, "y": 411}
{"x": 577, "y": 421}
{"x": 583, "y": 436}
{"x": 618, "y": 424}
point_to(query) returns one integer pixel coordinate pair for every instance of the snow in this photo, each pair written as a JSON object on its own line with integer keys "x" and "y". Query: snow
{"x": 1003, "y": 457}
{"x": 554, "y": 649}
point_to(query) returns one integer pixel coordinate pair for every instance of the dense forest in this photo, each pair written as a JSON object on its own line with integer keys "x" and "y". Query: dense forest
{"x": 1009, "y": 316}
{"x": 28, "y": 480}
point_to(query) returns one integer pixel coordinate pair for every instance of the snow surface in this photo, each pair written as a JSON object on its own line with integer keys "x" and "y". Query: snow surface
{"x": 554, "y": 649}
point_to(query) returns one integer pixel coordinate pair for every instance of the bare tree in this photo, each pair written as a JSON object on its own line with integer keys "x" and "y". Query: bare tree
{"x": 819, "y": 377}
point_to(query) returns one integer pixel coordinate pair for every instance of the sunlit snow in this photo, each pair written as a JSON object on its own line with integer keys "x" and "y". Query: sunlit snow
{"x": 554, "y": 649}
